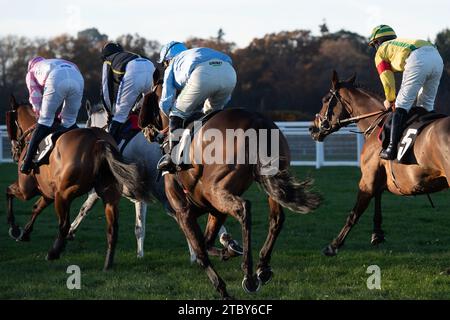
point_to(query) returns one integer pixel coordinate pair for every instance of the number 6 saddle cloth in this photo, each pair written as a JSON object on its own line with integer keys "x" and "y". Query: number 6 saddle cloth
{"x": 418, "y": 119}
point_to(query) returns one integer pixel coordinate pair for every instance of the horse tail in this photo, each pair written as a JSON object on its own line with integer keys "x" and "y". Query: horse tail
{"x": 279, "y": 183}
{"x": 130, "y": 175}
{"x": 290, "y": 192}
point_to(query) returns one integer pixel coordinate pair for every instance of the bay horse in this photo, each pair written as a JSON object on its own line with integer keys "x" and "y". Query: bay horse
{"x": 145, "y": 154}
{"x": 347, "y": 103}
{"x": 82, "y": 159}
{"x": 217, "y": 188}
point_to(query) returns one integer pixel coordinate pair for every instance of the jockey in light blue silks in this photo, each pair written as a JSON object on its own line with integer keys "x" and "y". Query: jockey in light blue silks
{"x": 205, "y": 79}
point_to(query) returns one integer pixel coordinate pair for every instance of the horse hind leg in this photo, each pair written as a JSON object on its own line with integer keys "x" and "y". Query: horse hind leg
{"x": 276, "y": 221}
{"x": 139, "y": 229}
{"x": 240, "y": 209}
{"x": 62, "y": 208}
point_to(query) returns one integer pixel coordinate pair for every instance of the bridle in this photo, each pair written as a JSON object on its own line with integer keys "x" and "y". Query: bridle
{"x": 151, "y": 130}
{"x": 17, "y": 143}
{"x": 327, "y": 126}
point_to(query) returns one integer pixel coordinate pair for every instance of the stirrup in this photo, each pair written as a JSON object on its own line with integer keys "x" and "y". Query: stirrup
{"x": 168, "y": 165}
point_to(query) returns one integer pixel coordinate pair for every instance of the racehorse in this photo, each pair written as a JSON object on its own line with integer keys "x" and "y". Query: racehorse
{"x": 138, "y": 150}
{"x": 217, "y": 187}
{"x": 82, "y": 159}
{"x": 347, "y": 103}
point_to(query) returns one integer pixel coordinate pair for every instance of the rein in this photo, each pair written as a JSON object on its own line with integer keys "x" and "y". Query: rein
{"x": 19, "y": 144}
{"x": 345, "y": 122}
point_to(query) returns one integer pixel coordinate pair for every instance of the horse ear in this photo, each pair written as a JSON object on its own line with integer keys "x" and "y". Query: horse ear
{"x": 352, "y": 79}
{"x": 88, "y": 106}
{"x": 13, "y": 102}
{"x": 335, "y": 79}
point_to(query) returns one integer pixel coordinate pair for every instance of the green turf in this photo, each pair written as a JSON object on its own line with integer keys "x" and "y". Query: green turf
{"x": 416, "y": 251}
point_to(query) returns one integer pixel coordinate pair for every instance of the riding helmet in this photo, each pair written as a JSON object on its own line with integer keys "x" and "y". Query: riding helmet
{"x": 111, "y": 48}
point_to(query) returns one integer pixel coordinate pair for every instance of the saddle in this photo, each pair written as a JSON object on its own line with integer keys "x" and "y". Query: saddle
{"x": 47, "y": 144}
{"x": 184, "y": 142}
{"x": 418, "y": 119}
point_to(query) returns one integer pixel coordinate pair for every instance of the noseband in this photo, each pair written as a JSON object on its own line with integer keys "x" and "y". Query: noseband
{"x": 325, "y": 124}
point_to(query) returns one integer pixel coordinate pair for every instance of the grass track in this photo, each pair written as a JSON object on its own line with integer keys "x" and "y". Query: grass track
{"x": 416, "y": 251}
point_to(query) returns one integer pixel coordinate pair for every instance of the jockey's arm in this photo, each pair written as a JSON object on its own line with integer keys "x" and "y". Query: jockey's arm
{"x": 105, "y": 86}
{"x": 169, "y": 91}
{"x": 387, "y": 78}
{"x": 35, "y": 92}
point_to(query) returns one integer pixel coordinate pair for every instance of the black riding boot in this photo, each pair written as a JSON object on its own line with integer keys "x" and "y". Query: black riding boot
{"x": 166, "y": 164}
{"x": 39, "y": 133}
{"x": 398, "y": 119}
{"x": 115, "y": 129}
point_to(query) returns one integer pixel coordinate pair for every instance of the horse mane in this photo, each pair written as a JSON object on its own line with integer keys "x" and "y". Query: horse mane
{"x": 363, "y": 88}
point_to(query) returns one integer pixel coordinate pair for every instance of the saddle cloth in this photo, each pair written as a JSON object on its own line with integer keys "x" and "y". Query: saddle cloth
{"x": 418, "y": 119}
{"x": 46, "y": 146}
{"x": 128, "y": 131}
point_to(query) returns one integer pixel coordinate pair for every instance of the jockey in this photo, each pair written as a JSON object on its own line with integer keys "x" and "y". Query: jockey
{"x": 50, "y": 83}
{"x": 205, "y": 78}
{"x": 126, "y": 76}
{"x": 422, "y": 68}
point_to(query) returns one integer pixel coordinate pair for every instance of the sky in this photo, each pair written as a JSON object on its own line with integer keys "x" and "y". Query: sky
{"x": 240, "y": 19}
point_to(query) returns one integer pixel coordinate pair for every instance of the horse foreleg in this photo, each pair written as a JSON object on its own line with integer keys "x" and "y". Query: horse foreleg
{"x": 84, "y": 210}
{"x": 378, "y": 233}
{"x": 139, "y": 230}
{"x": 12, "y": 191}
{"x": 38, "y": 207}
{"x": 276, "y": 221}
{"x": 191, "y": 230}
{"x": 213, "y": 227}
{"x": 362, "y": 202}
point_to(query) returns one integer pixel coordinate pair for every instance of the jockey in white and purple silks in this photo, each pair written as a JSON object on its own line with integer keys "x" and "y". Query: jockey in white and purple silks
{"x": 51, "y": 82}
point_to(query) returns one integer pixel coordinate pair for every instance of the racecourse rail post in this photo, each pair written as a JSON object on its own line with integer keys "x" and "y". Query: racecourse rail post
{"x": 319, "y": 154}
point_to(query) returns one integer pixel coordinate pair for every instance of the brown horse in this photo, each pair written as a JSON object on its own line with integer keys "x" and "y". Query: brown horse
{"x": 82, "y": 159}
{"x": 217, "y": 188}
{"x": 345, "y": 104}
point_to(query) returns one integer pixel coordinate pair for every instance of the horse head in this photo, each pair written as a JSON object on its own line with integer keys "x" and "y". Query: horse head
{"x": 151, "y": 119}
{"x": 98, "y": 116}
{"x": 334, "y": 109}
{"x": 20, "y": 119}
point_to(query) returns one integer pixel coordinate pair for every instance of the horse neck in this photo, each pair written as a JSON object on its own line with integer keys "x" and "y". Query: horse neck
{"x": 362, "y": 103}
{"x": 25, "y": 117}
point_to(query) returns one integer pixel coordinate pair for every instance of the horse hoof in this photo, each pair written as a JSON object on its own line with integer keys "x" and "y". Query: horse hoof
{"x": 140, "y": 255}
{"x": 15, "y": 233}
{"x": 70, "y": 236}
{"x": 264, "y": 275}
{"x": 251, "y": 285}
{"x": 445, "y": 272}
{"x": 330, "y": 251}
{"x": 51, "y": 255}
{"x": 24, "y": 238}
{"x": 377, "y": 238}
